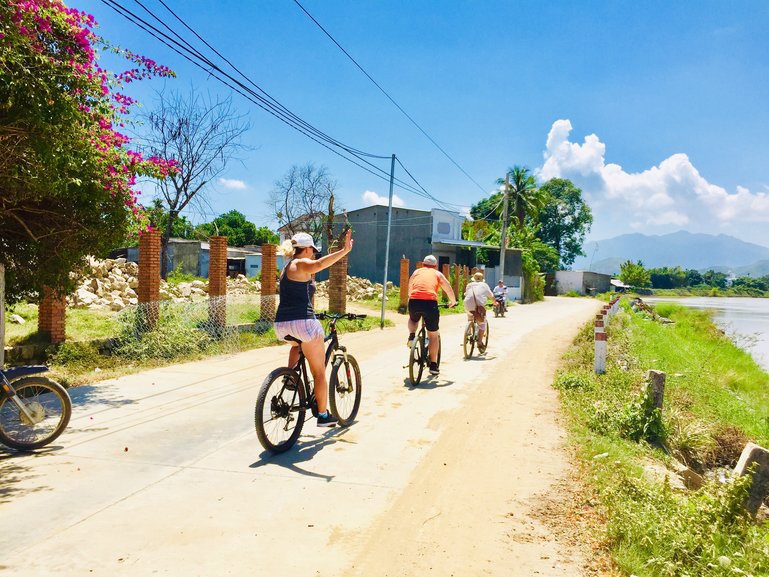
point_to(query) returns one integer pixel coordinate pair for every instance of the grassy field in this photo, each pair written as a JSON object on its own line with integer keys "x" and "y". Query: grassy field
{"x": 182, "y": 335}
{"x": 716, "y": 399}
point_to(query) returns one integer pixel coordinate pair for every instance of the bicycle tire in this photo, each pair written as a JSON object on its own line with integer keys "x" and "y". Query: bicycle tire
{"x": 417, "y": 358}
{"x": 280, "y": 410}
{"x": 345, "y": 389}
{"x": 468, "y": 344}
{"x": 49, "y": 404}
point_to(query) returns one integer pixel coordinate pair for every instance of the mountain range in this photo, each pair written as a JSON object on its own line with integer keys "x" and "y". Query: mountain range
{"x": 721, "y": 253}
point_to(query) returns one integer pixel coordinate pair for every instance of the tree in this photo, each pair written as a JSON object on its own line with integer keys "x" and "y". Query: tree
{"x": 66, "y": 172}
{"x": 564, "y": 219}
{"x": 180, "y": 228}
{"x": 634, "y": 274}
{"x": 238, "y": 230}
{"x": 525, "y": 198}
{"x": 301, "y": 198}
{"x": 201, "y": 135}
{"x": 714, "y": 279}
{"x": 488, "y": 209}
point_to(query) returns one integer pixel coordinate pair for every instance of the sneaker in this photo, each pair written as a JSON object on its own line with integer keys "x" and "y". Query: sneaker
{"x": 434, "y": 368}
{"x": 410, "y": 341}
{"x": 328, "y": 421}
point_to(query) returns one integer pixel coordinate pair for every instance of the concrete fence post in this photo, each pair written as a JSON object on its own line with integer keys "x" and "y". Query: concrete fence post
{"x": 404, "y": 294}
{"x": 599, "y": 361}
{"x": 269, "y": 284}
{"x": 52, "y": 314}
{"x": 656, "y": 387}
{"x": 217, "y": 281}
{"x": 148, "y": 291}
{"x": 754, "y": 460}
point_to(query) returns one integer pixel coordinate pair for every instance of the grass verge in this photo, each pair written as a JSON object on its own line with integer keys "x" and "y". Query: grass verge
{"x": 716, "y": 399}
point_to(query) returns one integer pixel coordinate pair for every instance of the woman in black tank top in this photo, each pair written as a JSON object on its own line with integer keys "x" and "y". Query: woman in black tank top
{"x": 295, "y": 315}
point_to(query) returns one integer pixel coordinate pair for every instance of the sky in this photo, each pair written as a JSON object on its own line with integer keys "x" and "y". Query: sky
{"x": 657, "y": 110}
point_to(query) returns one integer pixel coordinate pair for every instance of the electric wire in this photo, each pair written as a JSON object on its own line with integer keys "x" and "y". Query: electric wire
{"x": 254, "y": 98}
{"x": 390, "y": 98}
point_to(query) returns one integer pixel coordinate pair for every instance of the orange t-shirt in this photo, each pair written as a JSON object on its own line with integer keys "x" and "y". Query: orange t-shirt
{"x": 425, "y": 284}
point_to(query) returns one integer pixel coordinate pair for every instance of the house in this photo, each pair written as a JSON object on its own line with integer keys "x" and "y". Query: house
{"x": 582, "y": 282}
{"x": 415, "y": 234}
{"x": 192, "y": 257}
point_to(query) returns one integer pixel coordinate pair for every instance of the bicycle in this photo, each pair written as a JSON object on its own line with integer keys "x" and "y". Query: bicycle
{"x": 286, "y": 394}
{"x": 419, "y": 355}
{"x": 471, "y": 338}
{"x": 34, "y": 410}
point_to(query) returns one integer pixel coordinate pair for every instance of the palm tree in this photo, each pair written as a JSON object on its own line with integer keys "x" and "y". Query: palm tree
{"x": 525, "y": 197}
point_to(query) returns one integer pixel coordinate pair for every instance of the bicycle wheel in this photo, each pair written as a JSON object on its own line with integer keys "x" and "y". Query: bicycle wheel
{"x": 280, "y": 410}
{"x": 49, "y": 408}
{"x": 469, "y": 341}
{"x": 345, "y": 390}
{"x": 417, "y": 356}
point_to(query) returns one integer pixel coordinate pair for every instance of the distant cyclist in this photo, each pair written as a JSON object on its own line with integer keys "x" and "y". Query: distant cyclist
{"x": 476, "y": 293}
{"x": 424, "y": 285}
{"x": 501, "y": 291}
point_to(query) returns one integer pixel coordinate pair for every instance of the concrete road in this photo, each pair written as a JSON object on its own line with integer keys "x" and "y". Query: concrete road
{"x": 161, "y": 473}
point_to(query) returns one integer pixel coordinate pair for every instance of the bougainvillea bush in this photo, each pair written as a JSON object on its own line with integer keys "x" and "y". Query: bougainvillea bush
{"x": 67, "y": 174}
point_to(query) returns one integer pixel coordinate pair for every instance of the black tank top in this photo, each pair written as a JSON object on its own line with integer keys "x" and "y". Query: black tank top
{"x": 295, "y": 299}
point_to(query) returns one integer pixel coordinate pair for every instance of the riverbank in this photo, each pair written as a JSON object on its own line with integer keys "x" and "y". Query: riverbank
{"x": 716, "y": 400}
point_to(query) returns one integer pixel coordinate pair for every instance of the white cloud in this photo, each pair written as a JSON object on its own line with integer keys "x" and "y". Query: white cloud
{"x": 233, "y": 183}
{"x": 669, "y": 196}
{"x": 371, "y": 198}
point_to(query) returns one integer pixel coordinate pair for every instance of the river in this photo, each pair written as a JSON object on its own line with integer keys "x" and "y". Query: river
{"x": 745, "y": 319}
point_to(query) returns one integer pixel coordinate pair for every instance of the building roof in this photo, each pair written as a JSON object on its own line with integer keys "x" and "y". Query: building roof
{"x": 467, "y": 243}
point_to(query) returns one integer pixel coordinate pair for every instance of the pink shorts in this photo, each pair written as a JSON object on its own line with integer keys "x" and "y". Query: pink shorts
{"x": 303, "y": 329}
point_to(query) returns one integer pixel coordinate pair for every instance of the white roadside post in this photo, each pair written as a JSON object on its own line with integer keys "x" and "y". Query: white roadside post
{"x": 599, "y": 338}
{"x": 2, "y": 316}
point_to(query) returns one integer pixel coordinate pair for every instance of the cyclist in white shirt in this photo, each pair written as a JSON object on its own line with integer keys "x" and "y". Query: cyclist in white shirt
{"x": 476, "y": 294}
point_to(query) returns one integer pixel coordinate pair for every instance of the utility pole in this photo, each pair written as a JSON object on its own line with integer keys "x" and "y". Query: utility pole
{"x": 387, "y": 243}
{"x": 503, "y": 240}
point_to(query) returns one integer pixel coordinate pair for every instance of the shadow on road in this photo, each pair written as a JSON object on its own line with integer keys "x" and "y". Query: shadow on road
{"x": 303, "y": 452}
{"x": 427, "y": 383}
{"x": 14, "y": 473}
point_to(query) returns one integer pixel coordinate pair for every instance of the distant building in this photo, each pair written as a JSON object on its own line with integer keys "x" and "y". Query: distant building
{"x": 415, "y": 234}
{"x": 581, "y": 282}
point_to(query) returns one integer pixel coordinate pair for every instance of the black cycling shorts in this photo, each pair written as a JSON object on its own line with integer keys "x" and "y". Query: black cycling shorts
{"x": 419, "y": 308}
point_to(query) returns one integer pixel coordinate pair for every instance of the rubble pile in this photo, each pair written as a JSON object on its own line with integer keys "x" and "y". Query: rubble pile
{"x": 358, "y": 289}
{"x": 111, "y": 284}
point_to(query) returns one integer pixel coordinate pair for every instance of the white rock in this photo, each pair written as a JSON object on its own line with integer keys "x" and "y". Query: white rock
{"x": 16, "y": 319}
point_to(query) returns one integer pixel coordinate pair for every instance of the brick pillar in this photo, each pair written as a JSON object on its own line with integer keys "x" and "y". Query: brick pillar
{"x": 455, "y": 280}
{"x": 465, "y": 275}
{"x": 217, "y": 281}
{"x": 51, "y": 318}
{"x": 445, "y": 271}
{"x": 404, "y": 296}
{"x": 269, "y": 285}
{"x": 337, "y": 286}
{"x": 420, "y": 264}
{"x": 148, "y": 290}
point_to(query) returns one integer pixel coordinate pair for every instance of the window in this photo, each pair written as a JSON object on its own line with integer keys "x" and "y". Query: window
{"x": 444, "y": 228}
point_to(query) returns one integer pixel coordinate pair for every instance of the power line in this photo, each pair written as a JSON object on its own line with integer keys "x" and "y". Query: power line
{"x": 240, "y": 88}
{"x": 390, "y": 98}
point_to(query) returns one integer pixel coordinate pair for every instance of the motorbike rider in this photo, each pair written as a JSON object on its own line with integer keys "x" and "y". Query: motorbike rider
{"x": 501, "y": 291}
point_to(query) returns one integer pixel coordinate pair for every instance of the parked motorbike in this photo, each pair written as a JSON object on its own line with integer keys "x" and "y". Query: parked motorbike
{"x": 34, "y": 410}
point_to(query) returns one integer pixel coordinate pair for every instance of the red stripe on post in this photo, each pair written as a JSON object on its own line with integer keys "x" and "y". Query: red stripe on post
{"x": 600, "y": 336}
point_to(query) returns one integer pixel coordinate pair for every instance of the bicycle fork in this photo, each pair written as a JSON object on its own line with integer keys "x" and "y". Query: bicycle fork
{"x": 10, "y": 393}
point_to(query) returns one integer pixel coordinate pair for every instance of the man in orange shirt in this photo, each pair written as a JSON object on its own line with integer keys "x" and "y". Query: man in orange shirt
{"x": 424, "y": 285}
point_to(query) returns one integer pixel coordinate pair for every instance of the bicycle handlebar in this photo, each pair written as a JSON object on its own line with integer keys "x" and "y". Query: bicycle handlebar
{"x": 336, "y": 316}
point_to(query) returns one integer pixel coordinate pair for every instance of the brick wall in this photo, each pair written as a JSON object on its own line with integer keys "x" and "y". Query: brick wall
{"x": 148, "y": 290}
{"x": 337, "y": 286}
{"x": 51, "y": 319}
{"x": 269, "y": 285}
{"x": 404, "y": 296}
{"x": 217, "y": 280}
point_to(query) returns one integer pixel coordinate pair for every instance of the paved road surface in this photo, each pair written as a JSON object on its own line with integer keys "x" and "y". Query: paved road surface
{"x": 160, "y": 473}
